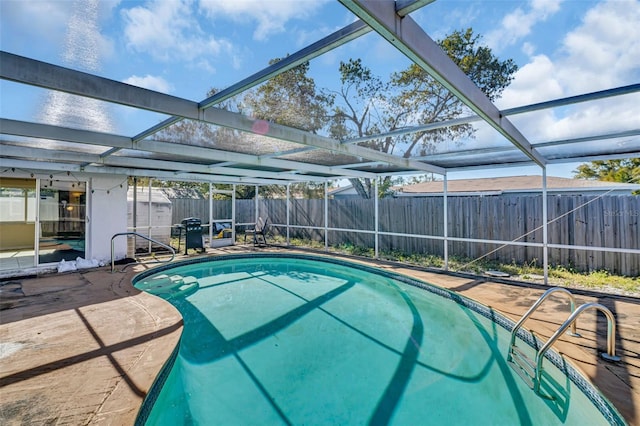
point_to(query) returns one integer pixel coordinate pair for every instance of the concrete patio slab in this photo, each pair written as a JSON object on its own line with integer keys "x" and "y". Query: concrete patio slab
{"x": 85, "y": 347}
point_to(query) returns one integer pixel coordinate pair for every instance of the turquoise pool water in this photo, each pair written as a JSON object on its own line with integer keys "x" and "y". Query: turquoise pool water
{"x": 292, "y": 340}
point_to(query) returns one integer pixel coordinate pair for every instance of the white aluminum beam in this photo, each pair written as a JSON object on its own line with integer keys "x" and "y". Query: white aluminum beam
{"x": 42, "y": 154}
{"x": 589, "y": 158}
{"x": 571, "y": 100}
{"x": 560, "y": 142}
{"x": 240, "y": 122}
{"x": 330, "y": 42}
{"x": 29, "y": 71}
{"x": 168, "y": 175}
{"x": 148, "y": 163}
{"x": 563, "y": 160}
{"x": 215, "y": 154}
{"x": 336, "y": 39}
{"x": 47, "y": 131}
{"x": 405, "y": 7}
{"x": 407, "y": 36}
{"x": 36, "y": 73}
{"x": 618, "y": 91}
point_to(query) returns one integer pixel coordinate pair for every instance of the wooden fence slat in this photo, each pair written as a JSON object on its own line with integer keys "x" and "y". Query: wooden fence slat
{"x": 611, "y": 221}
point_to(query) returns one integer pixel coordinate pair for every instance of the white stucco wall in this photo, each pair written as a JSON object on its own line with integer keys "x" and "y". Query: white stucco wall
{"x": 107, "y": 209}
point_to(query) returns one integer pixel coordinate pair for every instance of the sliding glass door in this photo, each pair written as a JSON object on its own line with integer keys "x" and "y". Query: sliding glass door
{"x": 62, "y": 208}
{"x": 17, "y": 223}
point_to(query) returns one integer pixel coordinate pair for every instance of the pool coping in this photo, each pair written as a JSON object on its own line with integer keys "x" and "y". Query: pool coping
{"x": 606, "y": 408}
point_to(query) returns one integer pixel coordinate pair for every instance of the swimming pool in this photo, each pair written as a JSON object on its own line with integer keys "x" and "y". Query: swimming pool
{"x": 293, "y": 339}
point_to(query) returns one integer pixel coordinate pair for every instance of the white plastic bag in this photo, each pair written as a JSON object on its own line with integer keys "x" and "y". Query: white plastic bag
{"x": 65, "y": 266}
{"x": 87, "y": 263}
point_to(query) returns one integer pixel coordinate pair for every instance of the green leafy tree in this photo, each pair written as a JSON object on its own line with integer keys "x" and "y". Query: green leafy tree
{"x": 625, "y": 170}
{"x": 290, "y": 99}
{"x": 367, "y": 105}
{"x": 197, "y": 133}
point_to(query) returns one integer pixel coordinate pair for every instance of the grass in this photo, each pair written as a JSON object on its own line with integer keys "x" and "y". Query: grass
{"x": 532, "y": 271}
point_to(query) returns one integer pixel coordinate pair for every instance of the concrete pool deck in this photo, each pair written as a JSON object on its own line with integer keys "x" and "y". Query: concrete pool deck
{"x": 85, "y": 347}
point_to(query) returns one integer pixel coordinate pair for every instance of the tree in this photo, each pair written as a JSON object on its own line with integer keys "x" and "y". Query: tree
{"x": 290, "y": 99}
{"x": 624, "y": 170}
{"x": 198, "y": 133}
{"x": 366, "y": 105}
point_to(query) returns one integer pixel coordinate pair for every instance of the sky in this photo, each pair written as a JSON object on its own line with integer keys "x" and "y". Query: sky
{"x": 187, "y": 47}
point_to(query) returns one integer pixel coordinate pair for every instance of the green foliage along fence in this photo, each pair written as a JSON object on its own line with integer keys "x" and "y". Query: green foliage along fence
{"x": 609, "y": 221}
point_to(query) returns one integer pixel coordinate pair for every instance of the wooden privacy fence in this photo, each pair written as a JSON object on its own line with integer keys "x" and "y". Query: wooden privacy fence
{"x": 607, "y": 221}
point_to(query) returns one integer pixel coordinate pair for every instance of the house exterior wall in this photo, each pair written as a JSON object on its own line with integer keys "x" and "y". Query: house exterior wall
{"x": 107, "y": 216}
{"x": 106, "y": 211}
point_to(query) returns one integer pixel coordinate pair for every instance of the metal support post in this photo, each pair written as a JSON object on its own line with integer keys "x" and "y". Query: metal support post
{"x": 255, "y": 199}
{"x": 545, "y": 230}
{"x": 233, "y": 214}
{"x": 149, "y": 218}
{"x": 210, "y": 213}
{"x": 377, "y": 236}
{"x": 326, "y": 217}
{"x": 445, "y": 225}
{"x": 288, "y": 210}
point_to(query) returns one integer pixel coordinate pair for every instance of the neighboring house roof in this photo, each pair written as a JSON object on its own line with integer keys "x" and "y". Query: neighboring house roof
{"x": 500, "y": 185}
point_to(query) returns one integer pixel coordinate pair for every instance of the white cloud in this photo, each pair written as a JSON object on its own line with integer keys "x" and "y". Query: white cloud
{"x": 169, "y": 31}
{"x": 528, "y": 49}
{"x": 150, "y": 82}
{"x": 270, "y": 16}
{"x": 601, "y": 53}
{"x": 44, "y": 24}
{"x": 519, "y": 23}
{"x": 37, "y": 18}
{"x": 534, "y": 82}
{"x": 600, "y": 117}
{"x": 593, "y": 118}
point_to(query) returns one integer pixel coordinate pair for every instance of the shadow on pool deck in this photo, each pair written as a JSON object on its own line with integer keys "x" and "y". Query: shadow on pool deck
{"x": 85, "y": 347}
{"x": 80, "y": 348}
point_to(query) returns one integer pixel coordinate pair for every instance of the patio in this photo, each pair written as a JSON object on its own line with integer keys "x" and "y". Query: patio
{"x": 85, "y": 347}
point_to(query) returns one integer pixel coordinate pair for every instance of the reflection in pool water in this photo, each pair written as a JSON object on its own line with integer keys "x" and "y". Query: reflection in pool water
{"x": 290, "y": 340}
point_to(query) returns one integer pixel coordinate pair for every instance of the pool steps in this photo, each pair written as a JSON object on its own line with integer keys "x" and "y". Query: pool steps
{"x": 523, "y": 365}
{"x": 531, "y": 371}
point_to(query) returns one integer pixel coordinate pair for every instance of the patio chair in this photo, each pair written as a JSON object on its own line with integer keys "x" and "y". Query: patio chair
{"x": 259, "y": 232}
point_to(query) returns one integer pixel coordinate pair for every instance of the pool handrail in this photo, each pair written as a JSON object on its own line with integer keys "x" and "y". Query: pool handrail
{"x": 610, "y": 355}
{"x": 535, "y": 306}
{"x": 173, "y": 252}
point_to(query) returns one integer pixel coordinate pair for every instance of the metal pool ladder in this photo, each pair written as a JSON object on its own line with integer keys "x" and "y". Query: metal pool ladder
{"x": 531, "y": 371}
